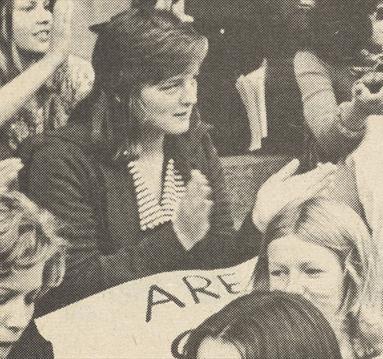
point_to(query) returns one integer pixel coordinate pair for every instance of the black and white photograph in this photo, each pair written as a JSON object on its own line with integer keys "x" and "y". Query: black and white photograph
{"x": 191, "y": 179}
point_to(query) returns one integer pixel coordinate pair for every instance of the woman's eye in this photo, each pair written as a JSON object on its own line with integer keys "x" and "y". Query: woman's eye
{"x": 169, "y": 86}
{"x": 4, "y": 298}
{"x": 313, "y": 271}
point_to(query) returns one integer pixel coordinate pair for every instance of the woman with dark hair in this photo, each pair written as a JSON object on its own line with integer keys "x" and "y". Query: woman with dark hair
{"x": 135, "y": 176}
{"x": 322, "y": 250}
{"x": 260, "y": 325}
{"x": 39, "y": 82}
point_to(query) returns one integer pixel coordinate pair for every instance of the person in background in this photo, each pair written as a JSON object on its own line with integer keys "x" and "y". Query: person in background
{"x": 39, "y": 82}
{"x": 135, "y": 176}
{"x": 32, "y": 262}
{"x": 376, "y": 16}
{"x": 263, "y": 324}
{"x": 315, "y": 105}
{"x": 322, "y": 250}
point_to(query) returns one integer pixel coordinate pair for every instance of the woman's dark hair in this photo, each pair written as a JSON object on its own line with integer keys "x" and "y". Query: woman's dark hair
{"x": 138, "y": 46}
{"x": 336, "y": 30}
{"x": 268, "y": 325}
{"x": 339, "y": 29}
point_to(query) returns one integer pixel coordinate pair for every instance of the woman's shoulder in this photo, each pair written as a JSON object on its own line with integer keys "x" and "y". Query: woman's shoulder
{"x": 74, "y": 81}
{"x": 306, "y": 61}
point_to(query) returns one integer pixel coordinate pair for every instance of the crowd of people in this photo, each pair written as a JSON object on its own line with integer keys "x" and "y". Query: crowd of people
{"x": 121, "y": 180}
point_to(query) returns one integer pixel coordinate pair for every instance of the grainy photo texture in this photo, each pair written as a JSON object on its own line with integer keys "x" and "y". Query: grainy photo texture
{"x": 191, "y": 179}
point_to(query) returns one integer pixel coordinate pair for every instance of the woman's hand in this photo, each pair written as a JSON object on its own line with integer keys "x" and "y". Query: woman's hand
{"x": 9, "y": 170}
{"x": 191, "y": 221}
{"x": 61, "y": 29}
{"x": 284, "y": 188}
{"x": 367, "y": 96}
{"x": 178, "y": 8}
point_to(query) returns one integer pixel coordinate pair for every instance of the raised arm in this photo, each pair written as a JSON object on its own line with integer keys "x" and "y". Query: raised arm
{"x": 15, "y": 93}
{"x": 337, "y": 128}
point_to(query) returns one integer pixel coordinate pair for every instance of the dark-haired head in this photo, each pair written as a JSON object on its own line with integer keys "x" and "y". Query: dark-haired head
{"x": 340, "y": 29}
{"x": 139, "y": 47}
{"x": 262, "y": 325}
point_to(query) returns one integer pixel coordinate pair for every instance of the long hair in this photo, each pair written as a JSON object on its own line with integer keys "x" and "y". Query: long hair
{"x": 272, "y": 325}
{"x": 337, "y": 227}
{"x": 138, "y": 46}
{"x": 10, "y": 62}
{"x": 28, "y": 236}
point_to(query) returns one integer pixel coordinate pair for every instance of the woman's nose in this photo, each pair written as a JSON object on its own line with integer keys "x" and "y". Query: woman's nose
{"x": 189, "y": 94}
{"x": 43, "y": 16}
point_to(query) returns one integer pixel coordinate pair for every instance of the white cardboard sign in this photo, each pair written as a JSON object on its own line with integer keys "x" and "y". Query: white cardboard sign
{"x": 141, "y": 319}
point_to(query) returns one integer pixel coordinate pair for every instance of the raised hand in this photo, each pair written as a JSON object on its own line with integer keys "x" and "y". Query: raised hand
{"x": 367, "y": 94}
{"x": 191, "y": 221}
{"x": 9, "y": 170}
{"x": 61, "y": 28}
{"x": 177, "y": 7}
{"x": 284, "y": 188}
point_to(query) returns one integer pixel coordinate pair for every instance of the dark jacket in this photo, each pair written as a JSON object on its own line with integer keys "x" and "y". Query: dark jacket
{"x": 96, "y": 201}
{"x": 32, "y": 346}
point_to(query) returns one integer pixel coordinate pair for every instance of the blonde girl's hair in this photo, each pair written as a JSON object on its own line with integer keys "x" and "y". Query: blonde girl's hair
{"x": 337, "y": 227}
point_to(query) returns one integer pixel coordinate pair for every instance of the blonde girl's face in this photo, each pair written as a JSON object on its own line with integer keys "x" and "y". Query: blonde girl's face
{"x": 31, "y": 25}
{"x": 305, "y": 268}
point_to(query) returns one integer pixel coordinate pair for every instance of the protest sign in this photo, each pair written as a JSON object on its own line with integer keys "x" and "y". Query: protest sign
{"x": 141, "y": 319}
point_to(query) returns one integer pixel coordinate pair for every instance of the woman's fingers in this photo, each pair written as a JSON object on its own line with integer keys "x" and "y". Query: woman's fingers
{"x": 312, "y": 178}
{"x": 319, "y": 188}
{"x": 286, "y": 171}
{"x": 11, "y": 163}
{"x": 61, "y": 28}
{"x": 9, "y": 170}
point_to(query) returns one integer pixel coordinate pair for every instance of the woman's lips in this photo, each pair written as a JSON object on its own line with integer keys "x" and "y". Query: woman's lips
{"x": 181, "y": 114}
{"x": 43, "y": 35}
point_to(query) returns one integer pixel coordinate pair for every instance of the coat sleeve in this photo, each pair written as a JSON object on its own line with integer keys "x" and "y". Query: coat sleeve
{"x": 321, "y": 111}
{"x": 59, "y": 182}
{"x": 223, "y": 246}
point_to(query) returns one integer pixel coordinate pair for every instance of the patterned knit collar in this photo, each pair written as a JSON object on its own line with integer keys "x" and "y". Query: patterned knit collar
{"x": 152, "y": 212}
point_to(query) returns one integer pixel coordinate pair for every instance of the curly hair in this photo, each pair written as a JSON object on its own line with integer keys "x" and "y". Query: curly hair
{"x": 28, "y": 236}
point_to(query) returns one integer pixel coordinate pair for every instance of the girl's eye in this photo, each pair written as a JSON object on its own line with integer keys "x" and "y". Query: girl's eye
{"x": 276, "y": 273}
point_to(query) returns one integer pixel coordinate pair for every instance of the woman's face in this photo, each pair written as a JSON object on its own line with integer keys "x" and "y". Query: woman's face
{"x": 18, "y": 293}
{"x": 305, "y": 268}
{"x": 211, "y": 348}
{"x": 31, "y": 24}
{"x": 167, "y": 106}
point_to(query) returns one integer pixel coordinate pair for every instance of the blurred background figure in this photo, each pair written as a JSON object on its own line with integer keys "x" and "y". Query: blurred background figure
{"x": 376, "y": 17}
{"x": 272, "y": 325}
